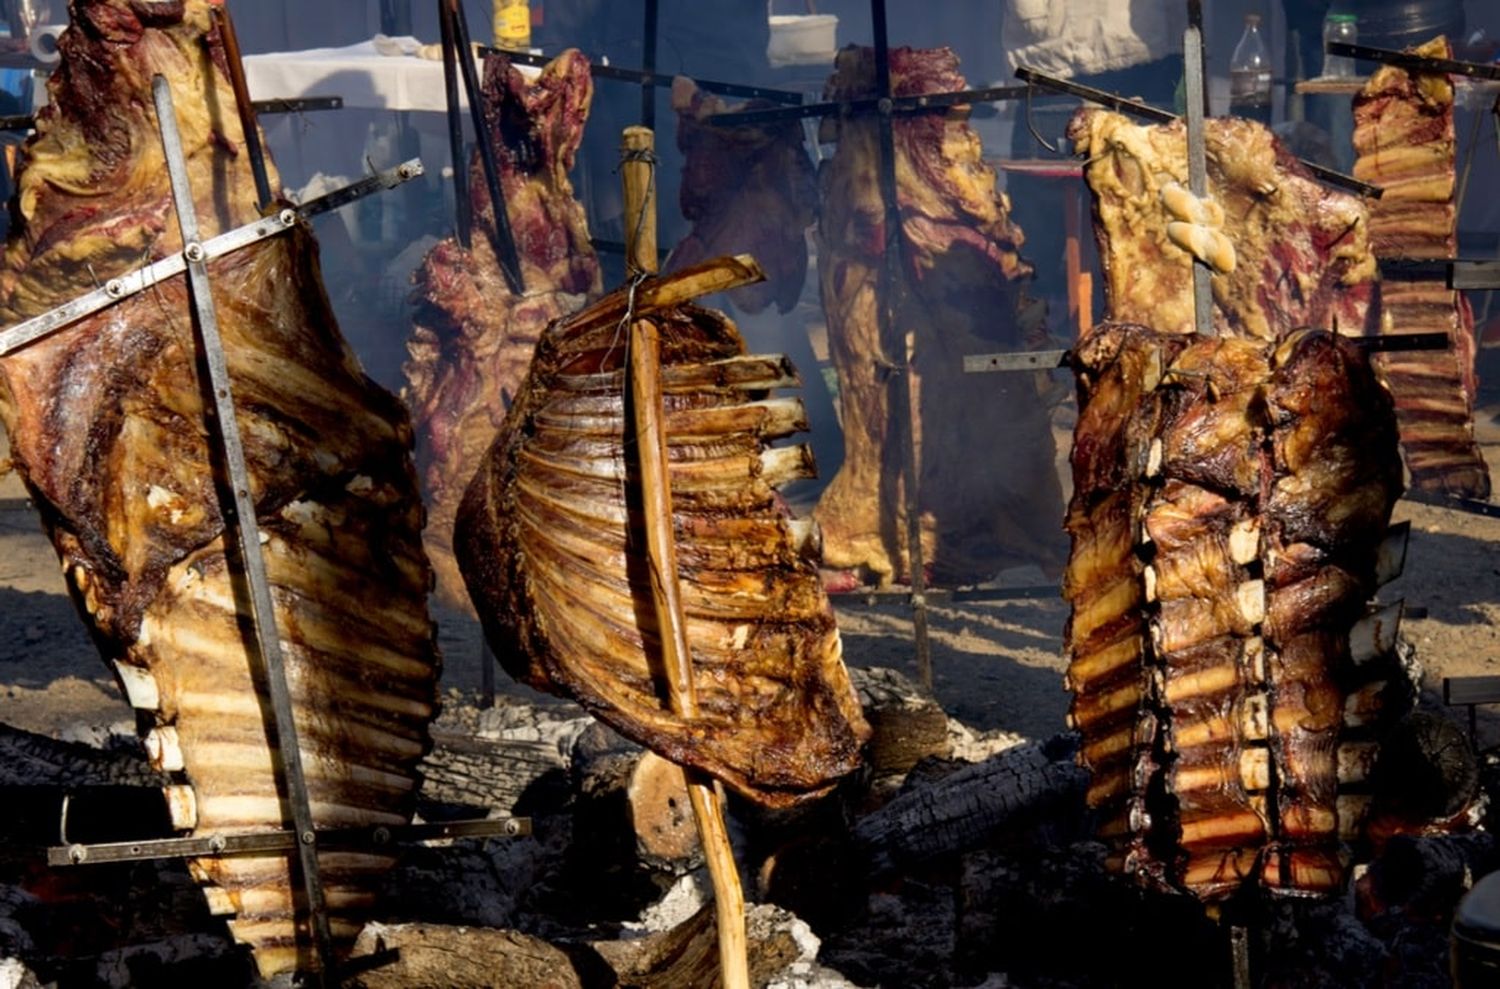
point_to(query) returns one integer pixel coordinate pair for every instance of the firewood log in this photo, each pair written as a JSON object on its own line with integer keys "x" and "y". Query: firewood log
{"x": 633, "y": 804}
{"x": 964, "y": 809}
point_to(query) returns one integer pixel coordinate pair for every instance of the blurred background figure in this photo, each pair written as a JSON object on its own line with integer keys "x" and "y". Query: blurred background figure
{"x": 1131, "y": 47}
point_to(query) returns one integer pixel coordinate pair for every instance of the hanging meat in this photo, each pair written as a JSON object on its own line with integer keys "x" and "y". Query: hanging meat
{"x": 106, "y": 420}
{"x": 549, "y": 542}
{"x": 1230, "y": 498}
{"x": 473, "y": 337}
{"x": 1287, "y": 251}
{"x": 1403, "y": 134}
{"x": 748, "y": 190}
{"x": 962, "y": 292}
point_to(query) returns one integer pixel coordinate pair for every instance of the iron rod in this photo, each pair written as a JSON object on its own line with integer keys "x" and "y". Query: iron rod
{"x": 640, "y": 78}
{"x": 1160, "y": 116}
{"x": 462, "y": 208}
{"x": 505, "y": 241}
{"x": 225, "y": 429}
{"x": 123, "y": 287}
{"x": 648, "y": 65}
{"x": 1406, "y": 60}
{"x": 1047, "y": 360}
{"x": 248, "y": 124}
{"x": 261, "y": 842}
{"x": 893, "y": 342}
{"x": 900, "y": 105}
{"x": 1196, "y": 99}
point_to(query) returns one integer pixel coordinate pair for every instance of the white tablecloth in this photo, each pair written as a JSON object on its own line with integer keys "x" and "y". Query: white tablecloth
{"x": 365, "y": 78}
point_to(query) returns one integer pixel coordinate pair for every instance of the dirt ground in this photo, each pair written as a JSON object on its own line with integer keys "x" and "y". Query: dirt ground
{"x": 996, "y": 664}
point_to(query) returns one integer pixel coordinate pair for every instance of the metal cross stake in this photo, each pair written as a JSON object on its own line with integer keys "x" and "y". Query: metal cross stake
{"x": 262, "y": 615}
{"x": 897, "y": 352}
{"x": 134, "y": 282}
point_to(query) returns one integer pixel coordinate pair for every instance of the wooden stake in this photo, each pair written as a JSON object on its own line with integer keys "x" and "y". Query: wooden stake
{"x": 661, "y": 553}
{"x": 636, "y": 170}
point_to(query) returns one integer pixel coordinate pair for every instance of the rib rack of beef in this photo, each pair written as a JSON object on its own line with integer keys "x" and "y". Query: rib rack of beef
{"x": 550, "y": 544}
{"x": 961, "y": 293}
{"x": 1404, "y": 137}
{"x": 473, "y": 337}
{"x": 748, "y": 190}
{"x": 1300, "y": 251}
{"x": 1230, "y": 497}
{"x": 106, "y": 425}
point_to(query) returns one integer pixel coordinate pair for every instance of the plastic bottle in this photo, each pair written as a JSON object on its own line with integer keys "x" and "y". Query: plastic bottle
{"x": 1342, "y": 28}
{"x": 1250, "y": 74}
{"x": 513, "y": 24}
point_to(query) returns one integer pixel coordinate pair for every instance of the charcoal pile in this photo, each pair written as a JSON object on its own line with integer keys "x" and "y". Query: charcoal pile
{"x": 942, "y": 872}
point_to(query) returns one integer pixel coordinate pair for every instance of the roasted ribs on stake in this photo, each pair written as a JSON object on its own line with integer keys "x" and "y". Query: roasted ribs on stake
{"x": 106, "y": 420}
{"x": 961, "y": 292}
{"x": 1404, "y": 137}
{"x": 550, "y": 543}
{"x": 748, "y": 190}
{"x": 473, "y": 337}
{"x": 1301, "y": 250}
{"x": 1229, "y": 498}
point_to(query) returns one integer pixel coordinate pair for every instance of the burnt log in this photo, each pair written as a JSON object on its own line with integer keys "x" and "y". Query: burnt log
{"x": 907, "y": 723}
{"x": 514, "y": 761}
{"x": 411, "y": 956}
{"x": 1424, "y": 876}
{"x": 1426, "y": 772}
{"x": 633, "y": 804}
{"x": 28, "y": 759}
{"x": 966, "y": 808}
{"x": 112, "y": 793}
{"x": 687, "y": 957}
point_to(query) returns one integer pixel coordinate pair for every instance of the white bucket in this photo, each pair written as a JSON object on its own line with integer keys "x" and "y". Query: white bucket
{"x": 802, "y": 39}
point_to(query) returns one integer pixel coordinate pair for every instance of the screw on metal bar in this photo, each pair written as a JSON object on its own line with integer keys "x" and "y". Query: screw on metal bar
{"x": 193, "y": 252}
{"x": 78, "y": 854}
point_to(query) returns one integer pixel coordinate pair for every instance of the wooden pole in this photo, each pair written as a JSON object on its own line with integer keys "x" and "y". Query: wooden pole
{"x": 661, "y": 553}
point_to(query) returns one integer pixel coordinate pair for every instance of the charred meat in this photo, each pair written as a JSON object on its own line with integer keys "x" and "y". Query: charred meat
{"x": 961, "y": 292}
{"x": 1404, "y": 137}
{"x": 1299, "y": 252}
{"x": 473, "y": 337}
{"x": 746, "y": 190}
{"x": 549, "y": 539}
{"x": 1229, "y": 499}
{"x": 106, "y": 425}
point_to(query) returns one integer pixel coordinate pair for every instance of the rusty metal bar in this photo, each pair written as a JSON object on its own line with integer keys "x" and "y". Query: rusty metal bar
{"x": 226, "y": 430}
